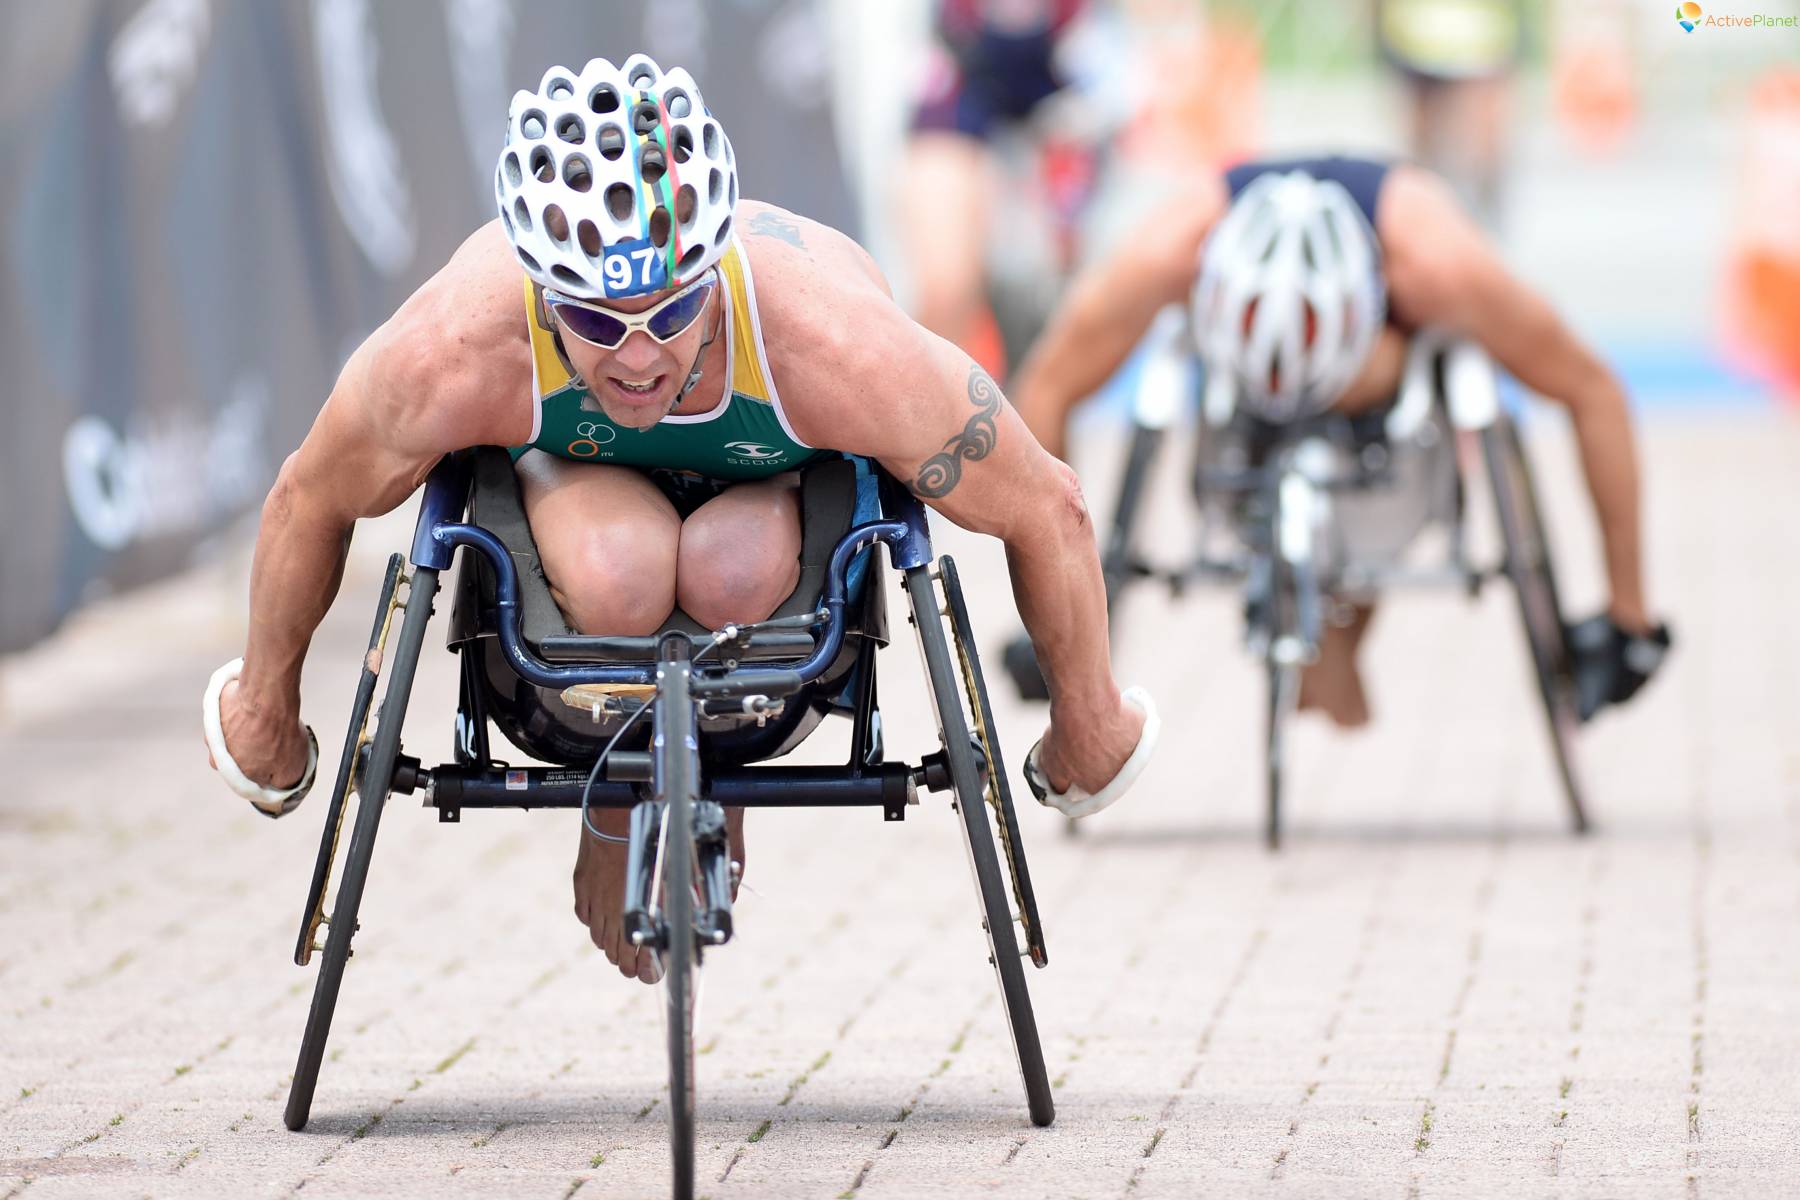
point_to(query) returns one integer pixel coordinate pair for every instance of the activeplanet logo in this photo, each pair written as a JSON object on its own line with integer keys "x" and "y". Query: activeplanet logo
{"x": 1690, "y": 17}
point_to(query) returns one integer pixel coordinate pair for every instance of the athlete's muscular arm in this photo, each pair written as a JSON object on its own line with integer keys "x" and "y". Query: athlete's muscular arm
{"x": 436, "y": 377}
{"x": 1443, "y": 271}
{"x": 938, "y": 423}
{"x": 1109, "y": 308}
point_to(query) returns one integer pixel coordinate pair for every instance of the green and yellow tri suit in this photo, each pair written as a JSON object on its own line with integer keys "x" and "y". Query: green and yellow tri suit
{"x": 746, "y": 437}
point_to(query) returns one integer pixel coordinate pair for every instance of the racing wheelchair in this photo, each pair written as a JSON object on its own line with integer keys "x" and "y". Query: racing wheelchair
{"x": 675, "y": 728}
{"x": 1312, "y": 515}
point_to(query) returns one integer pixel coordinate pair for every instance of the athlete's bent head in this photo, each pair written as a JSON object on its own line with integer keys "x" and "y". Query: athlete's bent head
{"x": 616, "y": 188}
{"x": 1291, "y": 296}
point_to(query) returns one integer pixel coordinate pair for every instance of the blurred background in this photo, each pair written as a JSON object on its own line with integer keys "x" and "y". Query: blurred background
{"x": 206, "y": 206}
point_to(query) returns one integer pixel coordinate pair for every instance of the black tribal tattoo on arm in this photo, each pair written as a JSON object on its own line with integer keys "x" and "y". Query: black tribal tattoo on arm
{"x": 943, "y": 470}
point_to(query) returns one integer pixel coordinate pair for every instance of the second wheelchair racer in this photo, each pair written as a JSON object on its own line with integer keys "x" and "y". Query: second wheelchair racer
{"x": 1305, "y": 278}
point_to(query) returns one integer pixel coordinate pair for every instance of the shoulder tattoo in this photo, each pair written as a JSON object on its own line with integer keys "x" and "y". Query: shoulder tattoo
{"x": 941, "y": 472}
{"x": 774, "y": 225}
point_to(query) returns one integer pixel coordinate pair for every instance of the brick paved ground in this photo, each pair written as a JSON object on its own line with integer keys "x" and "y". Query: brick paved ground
{"x": 1432, "y": 991}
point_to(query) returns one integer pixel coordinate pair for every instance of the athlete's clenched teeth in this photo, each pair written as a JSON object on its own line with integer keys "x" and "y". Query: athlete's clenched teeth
{"x": 644, "y": 387}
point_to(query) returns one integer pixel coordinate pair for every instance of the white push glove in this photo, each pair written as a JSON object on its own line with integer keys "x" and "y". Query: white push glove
{"x": 266, "y": 800}
{"x": 1076, "y": 802}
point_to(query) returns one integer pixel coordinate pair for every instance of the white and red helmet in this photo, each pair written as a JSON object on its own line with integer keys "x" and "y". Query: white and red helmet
{"x": 1291, "y": 295}
{"x": 615, "y": 180}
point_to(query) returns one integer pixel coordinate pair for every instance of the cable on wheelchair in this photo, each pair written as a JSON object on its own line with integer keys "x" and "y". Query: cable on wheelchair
{"x": 730, "y": 633}
{"x": 588, "y": 787}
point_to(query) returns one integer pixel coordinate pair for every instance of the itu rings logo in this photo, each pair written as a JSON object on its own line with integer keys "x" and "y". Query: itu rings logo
{"x": 1687, "y": 15}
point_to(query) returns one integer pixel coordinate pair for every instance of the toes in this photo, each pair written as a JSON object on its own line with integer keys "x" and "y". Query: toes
{"x": 599, "y": 934}
{"x": 623, "y": 954}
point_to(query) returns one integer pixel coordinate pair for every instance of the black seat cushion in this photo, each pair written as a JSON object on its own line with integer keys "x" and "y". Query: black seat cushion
{"x": 538, "y": 722}
{"x": 827, "y": 505}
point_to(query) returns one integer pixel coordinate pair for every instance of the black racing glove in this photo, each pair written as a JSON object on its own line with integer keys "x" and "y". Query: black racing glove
{"x": 1022, "y": 664}
{"x": 1610, "y": 664}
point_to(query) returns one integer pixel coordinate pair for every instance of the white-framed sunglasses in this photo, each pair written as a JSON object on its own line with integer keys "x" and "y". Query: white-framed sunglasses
{"x": 607, "y": 328}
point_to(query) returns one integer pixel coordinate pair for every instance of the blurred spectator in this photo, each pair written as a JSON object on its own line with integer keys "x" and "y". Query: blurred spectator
{"x": 993, "y": 67}
{"x": 1456, "y": 58}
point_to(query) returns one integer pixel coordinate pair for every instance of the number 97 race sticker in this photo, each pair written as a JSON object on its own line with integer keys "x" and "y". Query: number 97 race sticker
{"x": 633, "y": 267}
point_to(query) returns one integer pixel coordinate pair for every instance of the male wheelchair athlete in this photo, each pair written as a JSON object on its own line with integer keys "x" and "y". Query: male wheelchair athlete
{"x": 1312, "y": 515}
{"x": 717, "y": 704}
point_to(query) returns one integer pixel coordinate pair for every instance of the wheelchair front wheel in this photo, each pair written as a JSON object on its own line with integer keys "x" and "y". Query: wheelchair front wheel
{"x": 972, "y": 807}
{"x": 1285, "y": 645}
{"x": 1283, "y": 687}
{"x": 676, "y": 766}
{"x": 1529, "y": 568}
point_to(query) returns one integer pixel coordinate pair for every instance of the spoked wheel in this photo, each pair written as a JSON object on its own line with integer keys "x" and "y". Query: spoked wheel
{"x": 960, "y": 752}
{"x": 1528, "y": 566}
{"x": 373, "y": 779}
{"x": 676, "y": 766}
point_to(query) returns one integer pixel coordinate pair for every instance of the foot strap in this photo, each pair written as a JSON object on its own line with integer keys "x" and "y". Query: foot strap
{"x": 1078, "y": 803}
{"x": 268, "y": 801}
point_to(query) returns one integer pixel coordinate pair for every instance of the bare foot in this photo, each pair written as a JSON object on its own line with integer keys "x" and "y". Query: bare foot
{"x": 600, "y": 888}
{"x": 734, "y": 835}
{"x": 1333, "y": 685}
{"x": 600, "y": 895}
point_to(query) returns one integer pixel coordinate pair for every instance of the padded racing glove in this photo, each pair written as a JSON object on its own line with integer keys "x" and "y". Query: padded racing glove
{"x": 1610, "y": 664}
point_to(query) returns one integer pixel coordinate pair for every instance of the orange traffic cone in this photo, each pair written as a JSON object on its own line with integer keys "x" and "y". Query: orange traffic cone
{"x": 1762, "y": 301}
{"x": 1592, "y": 90}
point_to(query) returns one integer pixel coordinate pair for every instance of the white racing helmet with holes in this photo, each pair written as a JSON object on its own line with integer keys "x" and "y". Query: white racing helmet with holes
{"x": 1291, "y": 296}
{"x": 615, "y": 180}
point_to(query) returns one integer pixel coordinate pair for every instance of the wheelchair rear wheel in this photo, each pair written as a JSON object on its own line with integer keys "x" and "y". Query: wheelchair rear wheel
{"x": 1118, "y": 561}
{"x": 998, "y": 793}
{"x": 355, "y": 739}
{"x": 1528, "y": 566}
{"x": 971, "y": 805}
{"x": 374, "y": 782}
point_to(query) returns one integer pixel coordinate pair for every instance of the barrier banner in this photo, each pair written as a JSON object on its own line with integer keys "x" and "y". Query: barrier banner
{"x": 207, "y": 205}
